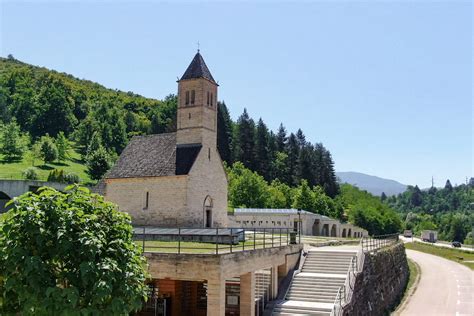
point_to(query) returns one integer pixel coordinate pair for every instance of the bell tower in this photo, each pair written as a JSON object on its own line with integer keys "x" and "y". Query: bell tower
{"x": 197, "y": 106}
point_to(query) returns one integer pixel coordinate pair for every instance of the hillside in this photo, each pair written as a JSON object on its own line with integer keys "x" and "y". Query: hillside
{"x": 39, "y": 102}
{"x": 372, "y": 184}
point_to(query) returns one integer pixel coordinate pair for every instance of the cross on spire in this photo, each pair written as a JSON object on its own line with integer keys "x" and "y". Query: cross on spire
{"x": 198, "y": 46}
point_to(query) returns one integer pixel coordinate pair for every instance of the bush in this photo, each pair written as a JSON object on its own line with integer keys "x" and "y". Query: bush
{"x": 72, "y": 178}
{"x": 71, "y": 254}
{"x": 57, "y": 175}
{"x": 98, "y": 163}
{"x": 30, "y": 173}
{"x": 49, "y": 150}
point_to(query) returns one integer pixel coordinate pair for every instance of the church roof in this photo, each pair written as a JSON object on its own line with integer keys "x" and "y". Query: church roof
{"x": 154, "y": 156}
{"x": 198, "y": 69}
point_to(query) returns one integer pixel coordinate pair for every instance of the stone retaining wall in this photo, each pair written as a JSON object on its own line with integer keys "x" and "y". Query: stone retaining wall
{"x": 380, "y": 285}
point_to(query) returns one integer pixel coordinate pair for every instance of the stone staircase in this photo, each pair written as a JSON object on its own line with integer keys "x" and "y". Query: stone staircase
{"x": 314, "y": 289}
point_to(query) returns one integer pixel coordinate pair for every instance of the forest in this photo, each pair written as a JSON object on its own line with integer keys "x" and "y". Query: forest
{"x": 57, "y": 120}
{"x": 449, "y": 210}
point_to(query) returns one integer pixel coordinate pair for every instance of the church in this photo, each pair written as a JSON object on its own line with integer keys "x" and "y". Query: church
{"x": 176, "y": 179}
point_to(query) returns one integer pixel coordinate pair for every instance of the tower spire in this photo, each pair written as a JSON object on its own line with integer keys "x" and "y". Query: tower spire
{"x": 198, "y": 46}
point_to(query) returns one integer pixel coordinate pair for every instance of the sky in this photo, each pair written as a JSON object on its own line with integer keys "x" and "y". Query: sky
{"x": 386, "y": 86}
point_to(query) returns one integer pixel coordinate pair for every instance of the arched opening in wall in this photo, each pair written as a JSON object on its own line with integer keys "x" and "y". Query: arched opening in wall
{"x": 316, "y": 227}
{"x": 349, "y": 233}
{"x": 344, "y": 232}
{"x": 4, "y": 198}
{"x": 334, "y": 231}
{"x": 207, "y": 210}
{"x": 325, "y": 231}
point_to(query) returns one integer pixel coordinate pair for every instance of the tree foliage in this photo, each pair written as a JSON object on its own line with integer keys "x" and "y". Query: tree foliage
{"x": 13, "y": 143}
{"x": 68, "y": 254}
{"x": 447, "y": 210}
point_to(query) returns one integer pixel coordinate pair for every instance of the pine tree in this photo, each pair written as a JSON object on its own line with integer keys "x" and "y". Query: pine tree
{"x": 262, "y": 162}
{"x": 330, "y": 185}
{"x": 244, "y": 150}
{"x": 305, "y": 166}
{"x": 12, "y": 143}
{"x": 281, "y": 138}
{"x": 224, "y": 132}
{"x": 448, "y": 186}
{"x": 300, "y": 138}
{"x": 383, "y": 197}
{"x": 63, "y": 146}
{"x": 293, "y": 152}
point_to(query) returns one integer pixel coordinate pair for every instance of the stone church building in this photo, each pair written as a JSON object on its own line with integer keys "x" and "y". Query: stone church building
{"x": 176, "y": 179}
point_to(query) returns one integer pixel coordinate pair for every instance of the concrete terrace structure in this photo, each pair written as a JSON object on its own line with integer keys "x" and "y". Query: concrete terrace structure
{"x": 13, "y": 188}
{"x": 311, "y": 223}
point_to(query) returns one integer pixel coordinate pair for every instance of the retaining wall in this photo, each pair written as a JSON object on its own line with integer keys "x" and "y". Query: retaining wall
{"x": 380, "y": 285}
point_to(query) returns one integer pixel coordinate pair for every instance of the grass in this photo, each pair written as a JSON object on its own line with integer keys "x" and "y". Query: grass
{"x": 460, "y": 256}
{"x": 410, "y": 288}
{"x": 14, "y": 170}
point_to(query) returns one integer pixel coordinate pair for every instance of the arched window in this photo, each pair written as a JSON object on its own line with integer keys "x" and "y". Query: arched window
{"x": 212, "y": 99}
{"x": 207, "y": 208}
{"x": 193, "y": 95}
{"x": 208, "y": 97}
{"x": 187, "y": 98}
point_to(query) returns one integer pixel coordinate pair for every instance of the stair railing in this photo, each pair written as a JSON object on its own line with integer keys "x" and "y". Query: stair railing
{"x": 300, "y": 267}
{"x": 344, "y": 294}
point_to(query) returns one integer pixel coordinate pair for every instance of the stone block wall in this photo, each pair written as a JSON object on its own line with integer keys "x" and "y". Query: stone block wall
{"x": 380, "y": 285}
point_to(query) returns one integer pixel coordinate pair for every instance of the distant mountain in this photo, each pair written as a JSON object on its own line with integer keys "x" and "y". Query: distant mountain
{"x": 372, "y": 184}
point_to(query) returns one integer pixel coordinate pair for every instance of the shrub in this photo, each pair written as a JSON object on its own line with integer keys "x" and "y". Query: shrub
{"x": 57, "y": 175}
{"x": 72, "y": 178}
{"x": 30, "y": 173}
{"x": 49, "y": 150}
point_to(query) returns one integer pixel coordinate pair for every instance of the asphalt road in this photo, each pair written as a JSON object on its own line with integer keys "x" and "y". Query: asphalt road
{"x": 445, "y": 288}
{"x": 437, "y": 244}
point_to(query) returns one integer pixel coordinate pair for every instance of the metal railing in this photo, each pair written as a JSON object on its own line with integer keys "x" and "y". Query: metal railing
{"x": 211, "y": 240}
{"x": 366, "y": 245}
{"x": 374, "y": 243}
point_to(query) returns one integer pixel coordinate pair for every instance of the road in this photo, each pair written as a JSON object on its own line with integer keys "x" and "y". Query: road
{"x": 445, "y": 288}
{"x": 437, "y": 244}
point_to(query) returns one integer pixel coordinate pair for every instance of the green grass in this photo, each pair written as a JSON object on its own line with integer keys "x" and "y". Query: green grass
{"x": 14, "y": 170}
{"x": 460, "y": 256}
{"x": 410, "y": 287}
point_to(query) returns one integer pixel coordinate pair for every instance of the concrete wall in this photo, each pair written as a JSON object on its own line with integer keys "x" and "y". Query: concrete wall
{"x": 14, "y": 188}
{"x": 380, "y": 285}
{"x": 311, "y": 224}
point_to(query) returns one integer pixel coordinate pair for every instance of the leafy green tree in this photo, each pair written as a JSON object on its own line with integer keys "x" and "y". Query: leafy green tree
{"x": 246, "y": 188}
{"x": 49, "y": 151}
{"x": 98, "y": 163}
{"x": 304, "y": 198}
{"x": 280, "y": 167}
{"x": 62, "y": 144}
{"x": 13, "y": 143}
{"x": 55, "y": 108}
{"x": 68, "y": 253}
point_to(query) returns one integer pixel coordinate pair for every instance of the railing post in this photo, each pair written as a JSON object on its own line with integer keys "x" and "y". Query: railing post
{"x": 179, "y": 240}
{"x": 254, "y": 233}
{"x": 217, "y": 240}
{"x": 243, "y": 244}
{"x": 280, "y": 237}
{"x": 273, "y": 233}
{"x": 231, "y": 240}
{"x": 264, "y": 238}
{"x": 143, "y": 242}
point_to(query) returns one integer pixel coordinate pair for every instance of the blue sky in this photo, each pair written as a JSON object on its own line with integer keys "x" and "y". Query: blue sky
{"x": 385, "y": 85}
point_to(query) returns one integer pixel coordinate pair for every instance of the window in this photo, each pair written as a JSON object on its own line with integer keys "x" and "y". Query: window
{"x": 193, "y": 94}
{"x": 212, "y": 99}
{"x": 147, "y": 197}
{"x": 208, "y": 97}
{"x": 187, "y": 97}
{"x": 209, "y": 153}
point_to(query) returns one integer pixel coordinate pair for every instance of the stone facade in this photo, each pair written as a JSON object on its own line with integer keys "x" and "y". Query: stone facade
{"x": 380, "y": 285}
{"x": 173, "y": 180}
